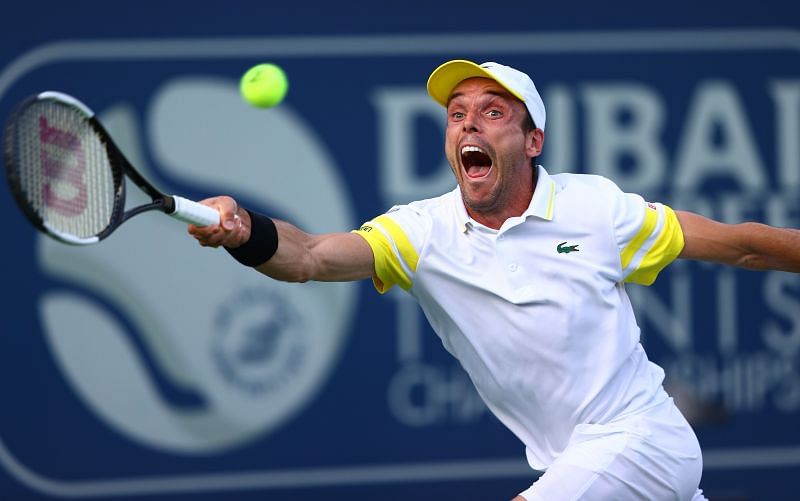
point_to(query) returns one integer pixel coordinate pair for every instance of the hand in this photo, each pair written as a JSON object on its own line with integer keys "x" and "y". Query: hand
{"x": 234, "y": 227}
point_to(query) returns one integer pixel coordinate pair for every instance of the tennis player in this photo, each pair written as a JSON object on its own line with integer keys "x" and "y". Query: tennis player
{"x": 522, "y": 275}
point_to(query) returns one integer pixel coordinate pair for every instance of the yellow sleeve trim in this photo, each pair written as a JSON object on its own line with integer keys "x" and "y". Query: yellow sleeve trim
{"x": 630, "y": 250}
{"x": 668, "y": 246}
{"x": 388, "y": 270}
{"x": 407, "y": 251}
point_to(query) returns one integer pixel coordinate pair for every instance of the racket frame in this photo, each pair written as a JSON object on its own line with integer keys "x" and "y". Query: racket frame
{"x": 188, "y": 211}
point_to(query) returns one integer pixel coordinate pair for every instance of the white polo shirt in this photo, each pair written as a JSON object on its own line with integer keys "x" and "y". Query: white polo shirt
{"x": 536, "y": 312}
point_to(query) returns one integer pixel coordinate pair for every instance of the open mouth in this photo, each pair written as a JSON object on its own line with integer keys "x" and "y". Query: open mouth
{"x": 477, "y": 163}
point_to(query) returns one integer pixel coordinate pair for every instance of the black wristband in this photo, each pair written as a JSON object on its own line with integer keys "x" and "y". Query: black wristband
{"x": 262, "y": 244}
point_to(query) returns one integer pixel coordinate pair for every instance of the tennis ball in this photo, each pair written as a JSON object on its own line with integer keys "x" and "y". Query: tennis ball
{"x": 264, "y": 85}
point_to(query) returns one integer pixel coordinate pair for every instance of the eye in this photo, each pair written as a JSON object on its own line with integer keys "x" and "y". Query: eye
{"x": 495, "y": 113}
{"x": 457, "y": 115}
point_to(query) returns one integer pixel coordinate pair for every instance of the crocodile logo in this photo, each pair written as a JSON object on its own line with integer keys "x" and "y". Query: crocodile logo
{"x": 563, "y": 248}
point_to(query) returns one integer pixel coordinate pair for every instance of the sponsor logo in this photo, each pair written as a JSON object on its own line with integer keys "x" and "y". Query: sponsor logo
{"x": 260, "y": 345}
{"x": 563, "y": 248}
{"x": 226, "y": 349}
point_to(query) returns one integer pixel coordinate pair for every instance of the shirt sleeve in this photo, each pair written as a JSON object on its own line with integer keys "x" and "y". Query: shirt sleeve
{"x": 649, "y": 237}
{"x": 396, "y": 239}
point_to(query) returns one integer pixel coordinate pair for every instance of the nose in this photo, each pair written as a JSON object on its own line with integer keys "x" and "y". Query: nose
{"x": 470, "y": 123}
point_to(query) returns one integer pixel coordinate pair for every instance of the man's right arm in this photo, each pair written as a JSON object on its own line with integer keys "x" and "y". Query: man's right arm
{"x": 299, "y": 256}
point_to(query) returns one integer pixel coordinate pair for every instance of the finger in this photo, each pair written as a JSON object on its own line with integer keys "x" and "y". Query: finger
{"x": 202, "y": 231}
{"x": 230, "y": 214}
{"x": 207, "y": 236}
{"x": 212, "y": 241}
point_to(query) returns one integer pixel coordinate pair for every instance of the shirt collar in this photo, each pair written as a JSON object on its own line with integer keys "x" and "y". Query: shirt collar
{"x": 464, "y": 221}
{"x": 542, "y": 204}
{"x": 543, "y": 201}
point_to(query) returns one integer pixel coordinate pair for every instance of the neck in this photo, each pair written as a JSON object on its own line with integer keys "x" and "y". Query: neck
{"x": 505, "y": 208}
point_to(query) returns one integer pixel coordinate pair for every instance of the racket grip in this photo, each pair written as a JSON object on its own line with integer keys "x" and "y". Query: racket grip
{"x": 194, "y": 213}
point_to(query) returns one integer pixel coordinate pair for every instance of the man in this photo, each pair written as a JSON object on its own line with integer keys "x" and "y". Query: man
{"x": 522, "y": 276}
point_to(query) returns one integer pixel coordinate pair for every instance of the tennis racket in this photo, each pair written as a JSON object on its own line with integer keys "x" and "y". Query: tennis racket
{"x": 68, "y": 177}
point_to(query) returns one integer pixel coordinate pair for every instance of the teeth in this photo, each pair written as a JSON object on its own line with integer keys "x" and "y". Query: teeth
{"x": 466, "y": 149}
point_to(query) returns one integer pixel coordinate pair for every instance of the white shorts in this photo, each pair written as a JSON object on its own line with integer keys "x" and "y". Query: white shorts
{"x": 650, "y": 456}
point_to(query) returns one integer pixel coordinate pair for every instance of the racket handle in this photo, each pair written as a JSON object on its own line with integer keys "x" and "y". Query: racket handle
{"x": 194, "y": 213}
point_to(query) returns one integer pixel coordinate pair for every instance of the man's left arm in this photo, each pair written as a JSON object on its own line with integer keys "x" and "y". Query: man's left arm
{"x": 753, "y": 246}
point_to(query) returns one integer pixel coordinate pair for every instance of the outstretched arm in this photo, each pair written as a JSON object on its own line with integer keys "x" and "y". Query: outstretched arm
{"x": 753, "y": 246}
{"x": 300, "y": 256}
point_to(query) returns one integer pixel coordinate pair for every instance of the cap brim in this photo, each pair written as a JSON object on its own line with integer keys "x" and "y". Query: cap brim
{"x": 446, "y": 77}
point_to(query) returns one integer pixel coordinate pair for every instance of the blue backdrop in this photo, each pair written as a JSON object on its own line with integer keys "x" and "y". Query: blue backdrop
{"x": 145, "y": 366}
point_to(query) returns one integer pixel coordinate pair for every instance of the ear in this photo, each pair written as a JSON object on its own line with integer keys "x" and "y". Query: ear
{"x": 534, "y": 141}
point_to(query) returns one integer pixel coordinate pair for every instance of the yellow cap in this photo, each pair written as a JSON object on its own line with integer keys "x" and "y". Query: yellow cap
{"x": 446, "y": 77}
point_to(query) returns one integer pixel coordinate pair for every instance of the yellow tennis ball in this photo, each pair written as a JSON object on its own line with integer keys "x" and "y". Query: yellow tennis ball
{"x": 264, "y": 85}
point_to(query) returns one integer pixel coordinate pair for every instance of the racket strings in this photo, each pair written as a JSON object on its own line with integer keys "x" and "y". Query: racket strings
{"x": 63, "y": 170}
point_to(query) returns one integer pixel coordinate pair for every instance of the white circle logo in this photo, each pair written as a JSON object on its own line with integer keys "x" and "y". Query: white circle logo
{"x": 181, "y": 348}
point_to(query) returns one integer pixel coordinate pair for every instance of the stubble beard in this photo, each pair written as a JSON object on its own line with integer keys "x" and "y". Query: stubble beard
{"x": 486, "y": 205}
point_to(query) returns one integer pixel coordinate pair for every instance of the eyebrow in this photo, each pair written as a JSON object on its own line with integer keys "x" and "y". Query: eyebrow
{"x": 496, "y": 93}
